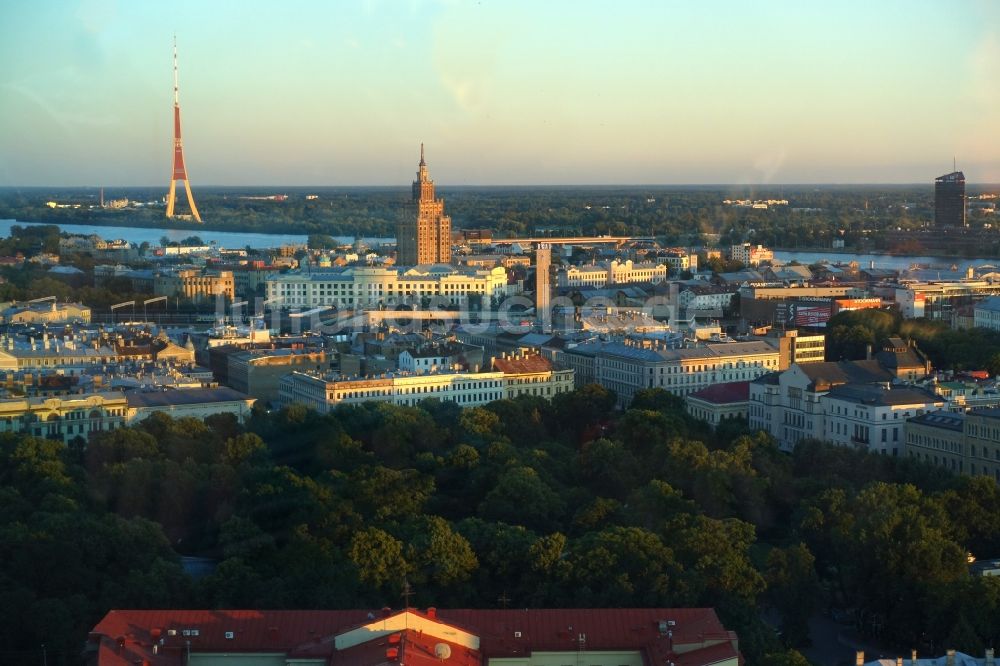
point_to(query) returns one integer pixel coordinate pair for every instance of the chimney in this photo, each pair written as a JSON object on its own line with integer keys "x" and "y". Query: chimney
{"x": 432, "y": 613}
{"x": 989, "y": 657}
{"x": 859, "y": 658}
{"x": 950, "y": 658}
{"x": 899, "y": 661}
{"x": 913, "y": 658}
{"x": 868, "y": 352}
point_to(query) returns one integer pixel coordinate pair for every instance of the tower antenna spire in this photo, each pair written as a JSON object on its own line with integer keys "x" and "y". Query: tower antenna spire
{"x": 177, "y": 100}
{"x": 422, "y": 162}
{"x": 179, "y": 171}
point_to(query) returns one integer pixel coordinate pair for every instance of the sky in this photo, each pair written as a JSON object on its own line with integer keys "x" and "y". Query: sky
{"x": 341, "y": 92}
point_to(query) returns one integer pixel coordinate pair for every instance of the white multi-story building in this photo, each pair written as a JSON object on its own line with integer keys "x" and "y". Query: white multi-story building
{"x": 624, "y": 272}
{"x": 615, "y": 272}
{"x": 750, "y": 255}
{"x": 84, "y": 415}
{"x": 513, "y": 376}
{"x": 986, "y": 314}
{"x": 529, "y": 373}
{"x": 936, "y": 300}
{"x": 963, "y": 442}
{"x": 363, "y": 286}
{"x": 787, "y": 404}
{"x": 705, "y": 298}
{"x": 629, "y": 367}
{"x": 873, "y": 416}
{"x": 681, "y": 260}
{"x": 588, "y": 275}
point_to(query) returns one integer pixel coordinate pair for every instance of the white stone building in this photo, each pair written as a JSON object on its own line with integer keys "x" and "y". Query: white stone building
{"x": 986, "y": 314}
{"x": 873, "y": 416}
{"x": 628, "y": 367}
{"x": 363, "y": 287}
{"x": 787, "y": 404}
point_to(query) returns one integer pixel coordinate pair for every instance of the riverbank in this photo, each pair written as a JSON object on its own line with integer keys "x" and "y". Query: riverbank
{"x": 143, "y": 222}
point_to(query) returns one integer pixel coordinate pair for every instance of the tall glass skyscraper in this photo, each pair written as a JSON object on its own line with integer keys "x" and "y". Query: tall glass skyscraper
{"x": 949, "y": 200}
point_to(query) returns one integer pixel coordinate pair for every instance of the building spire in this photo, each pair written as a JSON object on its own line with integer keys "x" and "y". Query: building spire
{"x": 176, "y": 95}
{"x": 422, "y": 162}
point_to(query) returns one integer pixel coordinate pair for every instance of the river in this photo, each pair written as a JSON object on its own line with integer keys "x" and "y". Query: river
{"x": 234, "y": 239}
{"x": 228, "y": 239}
{"x": 888, "y": 261}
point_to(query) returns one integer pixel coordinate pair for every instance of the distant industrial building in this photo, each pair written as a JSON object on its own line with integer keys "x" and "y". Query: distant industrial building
{"x": 949, "y": 200}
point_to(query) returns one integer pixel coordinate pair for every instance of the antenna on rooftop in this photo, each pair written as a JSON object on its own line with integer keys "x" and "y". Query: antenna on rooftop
{"x": 407, "y": 593}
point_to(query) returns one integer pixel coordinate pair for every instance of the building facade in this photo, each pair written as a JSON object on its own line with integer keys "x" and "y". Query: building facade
{"x": 257, "y": 372}
{"x": 873, "y": 416}
{"x": 614, "y": 272}
{"x": 986, "y": 314}
{"x": 425, "y": 239}
{"x": 631, "y": 366}
{"x": 64, "y": 417}
{"x": 949, "y": 200}
{"x": 46, "y": 313}
{"x": 524, "y": 375}
{"x": 750, "y": 255}
{"x": 195, "y": 285}
{"x": 367, "y": 287}
{"x": 719, "y": 401}
{"x": 787, "y": 404}
{"x": 529, "y": 373}
{"x": 962, "y": 442}
{"x": 325, "y": 393}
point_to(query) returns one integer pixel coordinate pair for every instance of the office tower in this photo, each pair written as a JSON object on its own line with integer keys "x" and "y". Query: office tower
{"x": 949, "y": 200}
{"x": 426, "y": 239}
{"x": 180, "y": 171}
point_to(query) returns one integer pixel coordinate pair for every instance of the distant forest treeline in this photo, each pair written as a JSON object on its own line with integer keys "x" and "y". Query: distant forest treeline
{"x": 813, "y": 218}
{"x": 561, "y": 504}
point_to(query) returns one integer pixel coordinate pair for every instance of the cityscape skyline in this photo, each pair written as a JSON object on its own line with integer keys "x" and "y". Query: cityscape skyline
{"x": 508, "y": 94}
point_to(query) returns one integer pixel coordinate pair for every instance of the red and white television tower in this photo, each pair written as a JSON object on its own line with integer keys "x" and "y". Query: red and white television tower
{"x": 180, "y": 172}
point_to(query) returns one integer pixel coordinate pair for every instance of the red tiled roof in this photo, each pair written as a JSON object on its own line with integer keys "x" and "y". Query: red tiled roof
{"x": 522, "y": 364}
{"x": 724, "y": 394}
{"x": 126, "y": 637}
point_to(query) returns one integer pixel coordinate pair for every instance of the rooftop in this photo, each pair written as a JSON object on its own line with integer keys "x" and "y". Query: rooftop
{"x": 831, "y": 373}
{"x": 940, "y": 419}
{"x": 363, "y": 637}
{"x": 184, "y": 397}
{"x": 724, "y": 394}
{"x": 883, "y": 395}
{"x": 522, "y": 364}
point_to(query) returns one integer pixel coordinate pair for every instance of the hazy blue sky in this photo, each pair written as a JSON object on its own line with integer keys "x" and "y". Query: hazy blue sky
{"x": 535, "y": 92}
